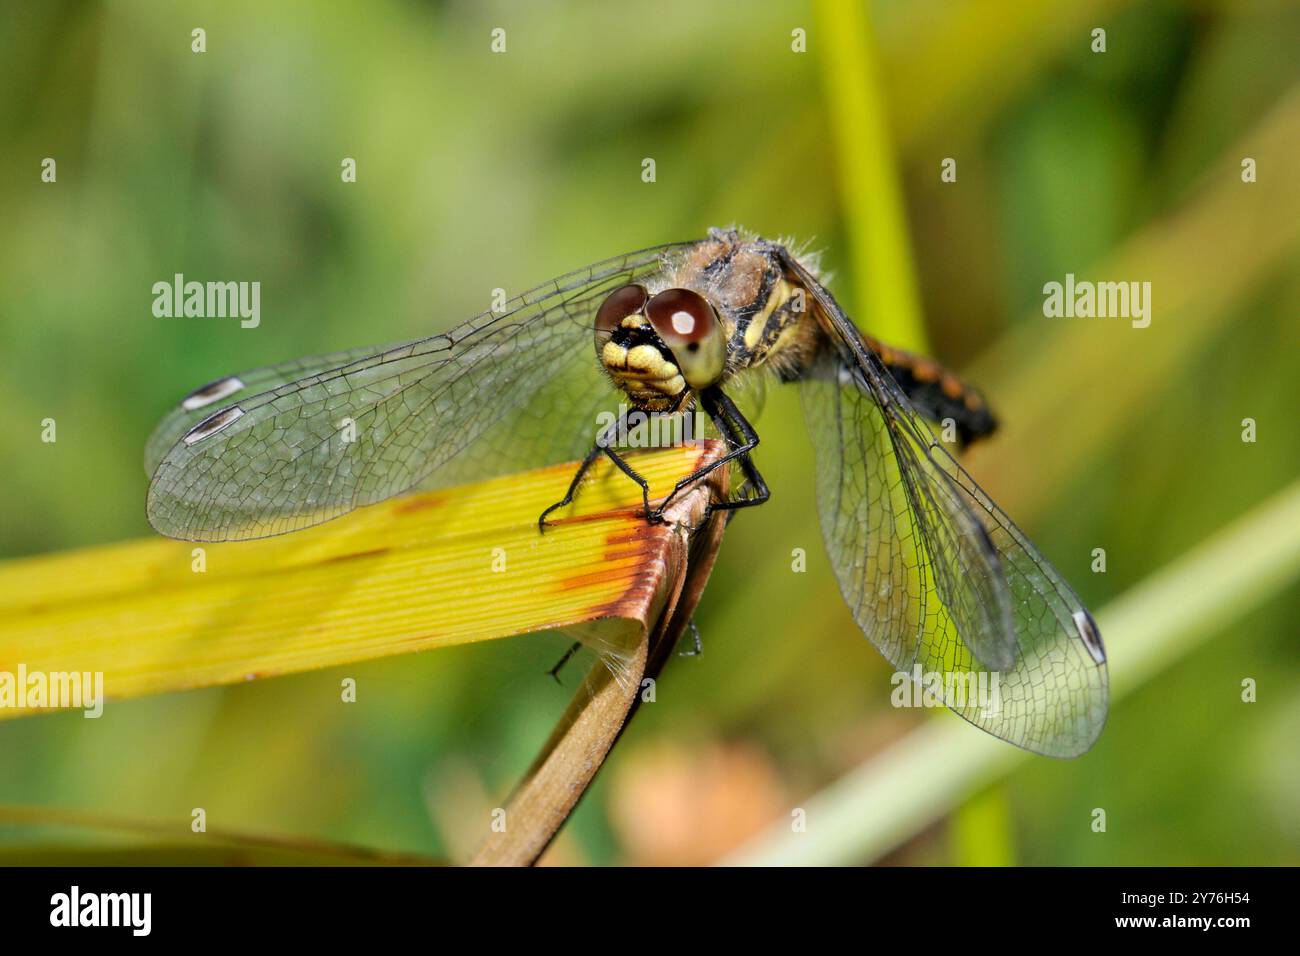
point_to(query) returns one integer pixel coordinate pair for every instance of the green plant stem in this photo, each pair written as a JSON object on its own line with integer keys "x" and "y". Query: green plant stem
{"x": 867, "y": 174}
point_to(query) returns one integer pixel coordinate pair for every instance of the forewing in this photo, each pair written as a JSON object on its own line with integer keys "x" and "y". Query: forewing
{"x": 297, "y": 444}
{"x": 218, "y": 394}
{"x": 936, "y": 575}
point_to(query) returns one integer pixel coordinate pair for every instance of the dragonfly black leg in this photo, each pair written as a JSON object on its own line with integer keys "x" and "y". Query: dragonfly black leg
{"x": 653, "y": 517}
{"x": 603, "y": 446}
{"x": 735, "y": 429}
{"x": 742, "y": 439}
{"x": 745, "y": 437}
{"x": 592, "y": 455}
{"x": 568, "y": 655}
{"x": 603, "y": 442}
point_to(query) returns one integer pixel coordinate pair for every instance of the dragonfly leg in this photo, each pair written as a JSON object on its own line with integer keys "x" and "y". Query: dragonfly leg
{"x": 559, "y": 665}
{"x": 744, "y": 435}
{"x": 542, "y": 523}
{"x": 652, "y": 517}
{"x": 602, "y": 440}
{"x": 741, "y": 438}
{"x": 603, "y": 446}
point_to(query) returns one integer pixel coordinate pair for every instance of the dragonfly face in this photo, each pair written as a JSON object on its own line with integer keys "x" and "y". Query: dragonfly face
{"x": 935, "y": 574}
{"x": 657, "y": 348}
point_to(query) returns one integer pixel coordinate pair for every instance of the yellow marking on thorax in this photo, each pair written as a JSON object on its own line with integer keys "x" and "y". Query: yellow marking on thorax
{"x": 774, "y": 326}
{"x": 758, "y": 331}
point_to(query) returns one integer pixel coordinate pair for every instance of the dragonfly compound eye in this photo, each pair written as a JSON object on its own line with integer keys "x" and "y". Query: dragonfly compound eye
{"x": 689, "y": 326}
{"x": 618, "y": 305}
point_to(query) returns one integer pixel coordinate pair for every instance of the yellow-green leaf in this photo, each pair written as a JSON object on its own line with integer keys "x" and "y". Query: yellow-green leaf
{"x": 430, "y": 570}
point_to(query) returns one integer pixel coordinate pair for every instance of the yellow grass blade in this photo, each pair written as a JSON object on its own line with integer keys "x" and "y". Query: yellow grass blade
{"x": 425, "y": 571}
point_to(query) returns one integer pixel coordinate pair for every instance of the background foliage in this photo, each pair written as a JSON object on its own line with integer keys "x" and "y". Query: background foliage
{"x": 478, "y": 171}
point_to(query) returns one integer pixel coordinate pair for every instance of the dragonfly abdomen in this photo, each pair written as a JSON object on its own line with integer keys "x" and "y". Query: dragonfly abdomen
{"x": 937, "y": 393}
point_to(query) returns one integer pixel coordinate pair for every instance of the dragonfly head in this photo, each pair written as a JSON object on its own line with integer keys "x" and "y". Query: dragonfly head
{"x": 657, "y": 347}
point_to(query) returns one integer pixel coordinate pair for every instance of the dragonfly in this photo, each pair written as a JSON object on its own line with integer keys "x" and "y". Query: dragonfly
{"x": 934, "y": 573}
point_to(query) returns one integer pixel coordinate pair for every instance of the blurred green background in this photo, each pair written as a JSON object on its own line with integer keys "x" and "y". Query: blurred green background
{"x": 478, "y": 170}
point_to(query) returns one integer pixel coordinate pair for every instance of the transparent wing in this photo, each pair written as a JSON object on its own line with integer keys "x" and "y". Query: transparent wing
{"x": 936, "y": 575}
{"x": 202, "y": 402}
{"x": 292, "y": 445}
